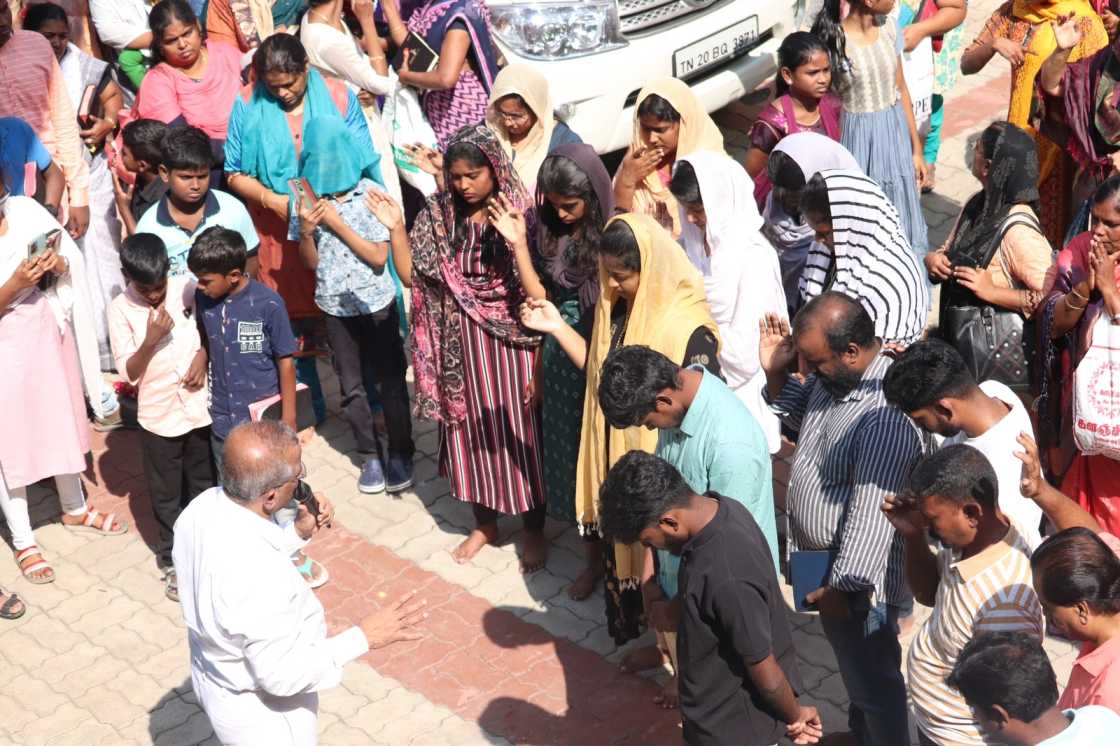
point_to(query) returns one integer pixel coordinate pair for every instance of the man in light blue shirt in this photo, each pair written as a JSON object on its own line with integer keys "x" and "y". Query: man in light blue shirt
{"x": 1007, "y": 680}
{"x": 711, "y": 438}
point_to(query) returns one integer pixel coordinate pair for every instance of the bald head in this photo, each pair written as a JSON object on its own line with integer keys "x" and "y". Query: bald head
{"x": 841, "y": 319}
{"x": 258, "y": 457}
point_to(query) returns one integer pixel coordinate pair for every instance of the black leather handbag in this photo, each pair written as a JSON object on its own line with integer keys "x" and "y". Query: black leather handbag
{"x": 996, "y": 343}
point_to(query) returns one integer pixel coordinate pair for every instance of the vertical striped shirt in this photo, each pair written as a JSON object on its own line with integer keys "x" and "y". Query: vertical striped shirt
{"x": 988, "y": 592}
{"x": 872, "y": 257}
{"x": 34, "y": 91}
{"x": 851, "y": 453}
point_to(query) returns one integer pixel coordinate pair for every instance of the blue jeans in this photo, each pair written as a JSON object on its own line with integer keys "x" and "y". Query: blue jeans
{"x": 870, "y": 660}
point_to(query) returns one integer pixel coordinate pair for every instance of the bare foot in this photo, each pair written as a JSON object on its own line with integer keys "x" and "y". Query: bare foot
{"x": 642, "y": 659}
{"x": 534, "y": 552}
{"x": 584, "y": 585}
{"x": 669, "y": 697}
{"x": 474, "y": 543}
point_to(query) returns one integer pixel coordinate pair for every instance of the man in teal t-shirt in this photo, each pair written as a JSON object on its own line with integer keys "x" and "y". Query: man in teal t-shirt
{"x": 712, "y": 439}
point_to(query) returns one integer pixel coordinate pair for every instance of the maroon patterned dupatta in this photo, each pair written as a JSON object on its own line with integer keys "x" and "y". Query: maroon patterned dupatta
{"x": 441, "y": 293}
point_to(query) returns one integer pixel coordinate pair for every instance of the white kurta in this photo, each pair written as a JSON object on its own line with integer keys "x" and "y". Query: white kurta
{"x": 257, "y": 634}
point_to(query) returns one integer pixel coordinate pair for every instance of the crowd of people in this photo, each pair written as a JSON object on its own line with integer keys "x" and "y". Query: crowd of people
{"x": 204, "y": 202}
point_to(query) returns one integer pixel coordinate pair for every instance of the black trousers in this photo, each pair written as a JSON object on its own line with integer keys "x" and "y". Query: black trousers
{"x": 372, "y": 343}
{"x": 178, "y": 469}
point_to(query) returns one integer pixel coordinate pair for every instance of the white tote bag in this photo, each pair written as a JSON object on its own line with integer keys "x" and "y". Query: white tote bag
{"x": 409, "y": 126}
{"x": 917, "y": 69}
{"x": 1096, "y": 393}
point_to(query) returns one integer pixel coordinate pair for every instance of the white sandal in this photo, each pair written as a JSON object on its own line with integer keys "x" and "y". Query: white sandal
{"x": 89, "y": 524}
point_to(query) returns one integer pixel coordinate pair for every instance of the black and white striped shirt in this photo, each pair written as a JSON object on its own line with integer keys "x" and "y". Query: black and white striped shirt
{"x": 873, "y": 259}
{"x": 851, "y": 452}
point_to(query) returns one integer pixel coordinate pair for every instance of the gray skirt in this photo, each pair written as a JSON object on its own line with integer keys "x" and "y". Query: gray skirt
{"x": 880, "y": 142}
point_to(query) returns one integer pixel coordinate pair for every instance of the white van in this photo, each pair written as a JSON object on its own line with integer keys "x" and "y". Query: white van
{"x": 597, "y": 54}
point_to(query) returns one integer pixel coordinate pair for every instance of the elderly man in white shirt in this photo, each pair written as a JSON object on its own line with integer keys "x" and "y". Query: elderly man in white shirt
{"x": 258, "y": 635}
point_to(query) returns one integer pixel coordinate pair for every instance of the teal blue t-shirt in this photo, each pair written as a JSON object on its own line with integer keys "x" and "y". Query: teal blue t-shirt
{"x": 720, "y": 447}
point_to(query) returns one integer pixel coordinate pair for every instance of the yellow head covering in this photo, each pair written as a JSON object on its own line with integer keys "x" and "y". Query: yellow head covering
{"x": 524, "y": 81}
{"x": 668, "y": 307}
{"x": 697, "y": 132}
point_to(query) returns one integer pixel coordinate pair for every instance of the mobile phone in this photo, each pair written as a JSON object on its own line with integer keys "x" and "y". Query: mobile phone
{"x": 47, "y": 241}
{"x": 302, "y": 191}
{"x": 307, "y": 497}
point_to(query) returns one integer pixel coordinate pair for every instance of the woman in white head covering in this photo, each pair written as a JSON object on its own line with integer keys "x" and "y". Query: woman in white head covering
{"x": 721, "y": 233}
{"x": 794, "y": 160}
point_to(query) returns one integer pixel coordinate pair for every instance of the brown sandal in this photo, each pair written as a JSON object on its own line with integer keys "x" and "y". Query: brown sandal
{"x": 31, "y": 561}
{"x": 11, "y": 601}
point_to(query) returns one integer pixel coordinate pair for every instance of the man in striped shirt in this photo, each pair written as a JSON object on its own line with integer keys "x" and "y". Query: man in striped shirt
{"x": 980, "y": 581}
{"x": 852, "y": 451}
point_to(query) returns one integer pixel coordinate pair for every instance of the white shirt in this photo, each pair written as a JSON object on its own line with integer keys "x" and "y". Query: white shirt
{"x": 999, "y": 445}
{"x": 253, "y": 624}
{"x": 118, "y": 22}
{"x": 1093, "y": 725}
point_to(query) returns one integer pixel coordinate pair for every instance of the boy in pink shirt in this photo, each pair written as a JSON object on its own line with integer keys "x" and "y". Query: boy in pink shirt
{"x": 155, "y": 341}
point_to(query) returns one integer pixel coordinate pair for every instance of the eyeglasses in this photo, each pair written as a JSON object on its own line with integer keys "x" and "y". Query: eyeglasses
{"x": 511, "y": 118}
{"x": 301, "y": 475}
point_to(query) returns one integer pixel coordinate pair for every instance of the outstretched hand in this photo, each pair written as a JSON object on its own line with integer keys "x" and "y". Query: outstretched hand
{"x": 1067, "y": 31}
{"x": 775, "y": 344}
{"x": 395, "y": 622}
{"x": 541, "y": 316}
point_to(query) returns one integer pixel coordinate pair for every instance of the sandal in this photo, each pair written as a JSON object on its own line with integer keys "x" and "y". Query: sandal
{"x": 307, "y": 570}
{"x": 11, "y": 601}
{"x": 98, "y": 523}
{"x": 30, "y": 560}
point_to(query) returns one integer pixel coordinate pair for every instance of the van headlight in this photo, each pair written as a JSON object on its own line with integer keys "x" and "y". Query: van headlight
{"x": 553, "y": 31}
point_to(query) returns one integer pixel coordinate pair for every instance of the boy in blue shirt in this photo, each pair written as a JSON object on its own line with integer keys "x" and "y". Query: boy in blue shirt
{"x": 248, "y": 338}
{"x": 190, "y": 206}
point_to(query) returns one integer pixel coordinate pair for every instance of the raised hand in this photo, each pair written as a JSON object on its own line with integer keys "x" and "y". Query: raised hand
{"x": 384, "y": 208}
{"x": 160, "y": 324}
{"x": 902, "y": 512}
{"x": 1103, "y": 265}
{"x": 507, "y": 220}
{"x": 640, "y": 163}
{"x": 1067, "y": 31}
{"x": 394, "y": 623}
{"x": 1009, "y": 50}
{"x": 775, "y": 344}
{"x": 1030, "y": 477}
{"x": 540, "y": 316}
{"x": 428, "y": 160}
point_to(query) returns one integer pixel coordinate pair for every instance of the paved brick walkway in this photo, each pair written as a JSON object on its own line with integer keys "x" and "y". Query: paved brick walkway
{"x": 101, "y": 657}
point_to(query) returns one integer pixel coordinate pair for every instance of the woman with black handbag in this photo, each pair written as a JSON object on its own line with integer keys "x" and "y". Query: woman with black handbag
{"x": 993, "y": 266}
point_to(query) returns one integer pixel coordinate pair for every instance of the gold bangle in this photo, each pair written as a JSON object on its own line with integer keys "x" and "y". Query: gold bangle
{"x": 378, "y": 57}
{"x": 1072, "y": 307}
{"x": 1079, "y": 295}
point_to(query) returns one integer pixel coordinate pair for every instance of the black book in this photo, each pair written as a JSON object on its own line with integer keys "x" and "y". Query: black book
{"x": 424, "y": 58}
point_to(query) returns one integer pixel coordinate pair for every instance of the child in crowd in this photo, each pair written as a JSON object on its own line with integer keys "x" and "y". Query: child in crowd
{"x": 156, "y": 346}
{"x": 347, "y": 246}
{"x": 190, "y": 205}
{"x": 141, "y": 155}
{"x": 248, "y": 337}
{"x": 1008, "y": 681}
{"x": 980, "y": 581}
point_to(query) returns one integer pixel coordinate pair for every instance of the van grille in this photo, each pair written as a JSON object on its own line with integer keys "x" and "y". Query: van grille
{"x": 646, "y": 16}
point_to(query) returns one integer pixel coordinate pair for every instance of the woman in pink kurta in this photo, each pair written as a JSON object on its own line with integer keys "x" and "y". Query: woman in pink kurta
{"x": 195, "y": 82}
{"x": 45, "y": 340}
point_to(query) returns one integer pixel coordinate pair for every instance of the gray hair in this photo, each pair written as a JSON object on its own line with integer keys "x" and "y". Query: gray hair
{"x": 257, "y": 465}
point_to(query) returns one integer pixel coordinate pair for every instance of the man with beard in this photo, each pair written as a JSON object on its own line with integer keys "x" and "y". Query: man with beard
{"x": 932, "y": 385}
{"x": 852, "y": 451}
{"x": 979, "y": 581}
{"x": 738, "y": 668}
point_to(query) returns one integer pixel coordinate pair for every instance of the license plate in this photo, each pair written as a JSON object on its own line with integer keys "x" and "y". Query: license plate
{"x": 719, "y": 47}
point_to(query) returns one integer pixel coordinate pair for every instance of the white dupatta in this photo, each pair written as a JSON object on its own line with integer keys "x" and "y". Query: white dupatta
{"x": 68, "y": 297}
{"x": 742, "y": 277}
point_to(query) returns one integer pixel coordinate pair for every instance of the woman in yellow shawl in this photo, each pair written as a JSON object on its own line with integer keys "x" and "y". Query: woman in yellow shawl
{"x": 520, "y": 116}
{"x": 1020, "y": 31}
{"x": 650, "y": 294}
{"x": 669, "y": 122}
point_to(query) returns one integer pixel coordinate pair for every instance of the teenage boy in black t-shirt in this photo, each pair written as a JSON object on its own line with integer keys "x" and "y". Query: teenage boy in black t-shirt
{"x": 738, "y": 670}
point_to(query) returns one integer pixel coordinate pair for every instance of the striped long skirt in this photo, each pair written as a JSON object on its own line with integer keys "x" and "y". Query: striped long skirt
{"x": 493, "y": 457}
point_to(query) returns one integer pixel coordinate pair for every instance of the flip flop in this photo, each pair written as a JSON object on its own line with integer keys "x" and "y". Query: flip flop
{"x": 307, "y": 571}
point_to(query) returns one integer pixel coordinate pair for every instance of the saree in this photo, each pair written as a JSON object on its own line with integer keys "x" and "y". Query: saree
{"x": 569, "y": 268}
{"x": 440, "y": 289}
{"x": 464, "y": 104}
{"x": 667, "y": 308}
{"x": 742, "y": 278}
{"x": 1028, "y": 23}
{"x": 1093, "y": 481}
{"x": 697, "y": 132}
{"x": 528, "y": 155}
